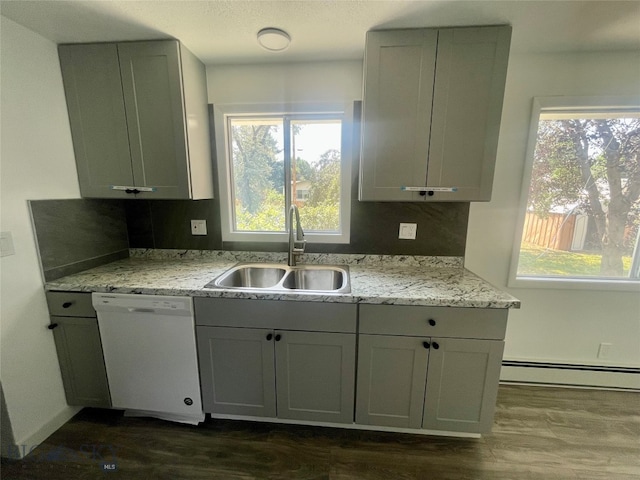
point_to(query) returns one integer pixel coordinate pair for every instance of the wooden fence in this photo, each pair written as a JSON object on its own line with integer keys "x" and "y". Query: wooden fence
{"x": 554, "y": 231}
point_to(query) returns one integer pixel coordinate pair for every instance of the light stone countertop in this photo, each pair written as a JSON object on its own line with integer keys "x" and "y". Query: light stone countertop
{"x": 375, "y": 279}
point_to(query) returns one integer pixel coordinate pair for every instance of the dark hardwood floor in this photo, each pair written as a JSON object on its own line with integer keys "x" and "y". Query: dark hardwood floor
{"x": 539, "y": 433}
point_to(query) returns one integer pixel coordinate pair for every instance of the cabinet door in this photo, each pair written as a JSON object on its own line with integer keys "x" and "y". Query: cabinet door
{"x": 315, "y": 375}
{"x": 152, "y": 87}
{"x": 462, "y": 384}
{"x": 396, "y": 117}
{"x": 91, "y": 76}
{"x": 237, "y": 371}
{"x": 391, "y": 381}
{"x": 79, "y": 350}
{"x": 467, "y": 106}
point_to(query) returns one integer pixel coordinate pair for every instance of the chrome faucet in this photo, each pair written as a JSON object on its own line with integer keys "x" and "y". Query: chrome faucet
{"x": 296, "y": 241}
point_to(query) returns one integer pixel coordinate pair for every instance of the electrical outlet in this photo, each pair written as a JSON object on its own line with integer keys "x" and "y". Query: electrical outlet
{"x": 198, "y": 227}
{"x": 604, "y": 350}
{"x": 408, "y": 231}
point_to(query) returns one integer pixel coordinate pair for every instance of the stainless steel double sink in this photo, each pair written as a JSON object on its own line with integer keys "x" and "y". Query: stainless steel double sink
{"x": 274, "y": 277}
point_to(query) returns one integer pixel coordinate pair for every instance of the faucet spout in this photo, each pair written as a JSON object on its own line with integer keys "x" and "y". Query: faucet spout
{"x": 296, "y": 239}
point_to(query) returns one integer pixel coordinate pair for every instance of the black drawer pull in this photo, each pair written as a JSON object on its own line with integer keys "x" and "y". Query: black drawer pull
{"x": 67, "y": 304}
{"x": 278, "y": 337}
{"x": 435, "y": 345}
{"x": 432, "y": 322}
{"x": 52, "y": 326}
{"x": 269, "y": 336}
{"x": 426, "y": 345}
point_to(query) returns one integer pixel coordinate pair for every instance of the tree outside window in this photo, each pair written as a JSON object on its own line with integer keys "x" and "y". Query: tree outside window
{"x": 583, "y": 209}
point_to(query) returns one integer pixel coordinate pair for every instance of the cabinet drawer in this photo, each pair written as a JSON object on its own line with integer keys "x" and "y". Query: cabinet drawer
{"x": 433, "y": 321}
{"x": 276, "y": 314}
{"x": 70, "y": 304}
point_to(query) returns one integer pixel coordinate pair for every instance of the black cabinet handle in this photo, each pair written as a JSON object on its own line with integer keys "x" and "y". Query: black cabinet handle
{"x": 52, "y": 326}
{"x": 432, "y": 322}
{"x": 67, "y": 304}
{"x": 132, "y": 190}
{"x": 425, "y": 345}
{"x": 435, "y": 345}
{"x": 278, "y": 337}
{"x": 270, "y": 336}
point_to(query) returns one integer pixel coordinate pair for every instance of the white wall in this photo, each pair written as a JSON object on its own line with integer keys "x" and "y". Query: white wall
{"x": 552, "y": 325}
{"x": 288, "y": 83}
{"x": 37, "y": 162}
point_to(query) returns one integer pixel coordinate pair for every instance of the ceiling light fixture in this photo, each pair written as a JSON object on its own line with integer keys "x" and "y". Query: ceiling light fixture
{"x": 273, "y": 39}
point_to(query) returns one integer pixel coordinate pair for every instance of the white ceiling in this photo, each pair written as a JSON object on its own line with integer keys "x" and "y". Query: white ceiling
{"x": 222, "y": 32}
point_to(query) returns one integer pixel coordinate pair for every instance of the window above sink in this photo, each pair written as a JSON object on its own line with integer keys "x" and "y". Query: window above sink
{"x": 263, "y": 148}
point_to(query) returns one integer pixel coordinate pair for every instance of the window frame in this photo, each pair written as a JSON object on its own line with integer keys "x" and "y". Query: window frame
{"x": 565, "y": 104}
{"x": 221, "y": 115}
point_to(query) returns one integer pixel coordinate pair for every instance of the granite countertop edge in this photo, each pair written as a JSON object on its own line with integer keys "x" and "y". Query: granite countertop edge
{"x": 375, "y": 279}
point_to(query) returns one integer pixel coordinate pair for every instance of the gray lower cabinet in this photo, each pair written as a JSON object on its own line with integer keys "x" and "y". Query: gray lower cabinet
{"x": 79, "y": 349}
{"x": 237, "y": 371}
{"x": 277, "y": 371}
{"x": 315, "y": 376}
{"x": 446, "y": 384}
{"x": 139, "y": 120}
{"x": 430, "y": 368}
{"x": 392, "y": 373}
{"x": 462, "y": 384}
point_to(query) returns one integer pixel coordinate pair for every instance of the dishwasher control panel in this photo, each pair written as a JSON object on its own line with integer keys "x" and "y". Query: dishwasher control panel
{"x": 143, "y": 303}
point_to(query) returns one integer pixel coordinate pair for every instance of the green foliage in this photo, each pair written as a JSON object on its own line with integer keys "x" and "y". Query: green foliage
{"x": 270, "y": 217}
{"x": 254, "y": 156}
{"x": 259, "y": 183}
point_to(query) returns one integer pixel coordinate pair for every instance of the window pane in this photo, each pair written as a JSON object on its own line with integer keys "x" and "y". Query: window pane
{"x": 315, "y": 172}
{"x": 583, "y": 209}
{"x": 257, "y": 174}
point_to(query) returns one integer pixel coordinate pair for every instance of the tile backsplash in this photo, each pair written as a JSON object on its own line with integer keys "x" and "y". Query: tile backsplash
{"x": 77, "y": 234}
{"x": 442, "y": 228}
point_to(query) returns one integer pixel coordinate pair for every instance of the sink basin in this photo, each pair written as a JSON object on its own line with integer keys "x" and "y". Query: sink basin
{"x": 266, "y": 277}
{"x": 252, "y": 277}
{"x": 315, "y": 279}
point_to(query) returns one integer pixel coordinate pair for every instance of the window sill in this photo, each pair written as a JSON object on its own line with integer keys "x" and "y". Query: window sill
{"x": 622, "y": 285}
{"x": 279, "y": 237}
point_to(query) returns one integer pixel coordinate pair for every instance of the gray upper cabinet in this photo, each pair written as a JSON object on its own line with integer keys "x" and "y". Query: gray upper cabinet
{"x": 431, "y": 112}
{"x": 139, "y": 121}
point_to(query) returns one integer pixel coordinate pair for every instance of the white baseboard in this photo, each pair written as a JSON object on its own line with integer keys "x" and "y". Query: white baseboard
{"x": 592, "y": 376}
{"x": 27, "y": 444}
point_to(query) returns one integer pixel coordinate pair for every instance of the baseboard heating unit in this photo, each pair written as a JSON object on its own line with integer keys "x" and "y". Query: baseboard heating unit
{"x": 596, "y": 376}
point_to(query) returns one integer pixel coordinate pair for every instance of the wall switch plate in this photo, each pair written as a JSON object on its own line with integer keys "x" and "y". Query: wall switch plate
{"x": 6, "y": 244}
{"x": 408, "y": 231}
{"x": 604, "y": 350}
{"x": 198, "y": 227}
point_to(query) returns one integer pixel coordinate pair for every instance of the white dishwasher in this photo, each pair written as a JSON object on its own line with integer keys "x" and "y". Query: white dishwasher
{"x": 150, "y": 355}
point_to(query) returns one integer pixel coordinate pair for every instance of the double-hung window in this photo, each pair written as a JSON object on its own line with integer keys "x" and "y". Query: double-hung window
{"x": 580, "y": 218}
{"x": 271, "y": 157}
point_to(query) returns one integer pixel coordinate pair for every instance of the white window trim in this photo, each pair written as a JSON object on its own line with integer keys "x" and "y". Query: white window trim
{"x": 221, "y": 112}
{"x": 563, "y": 104}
